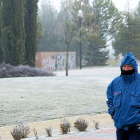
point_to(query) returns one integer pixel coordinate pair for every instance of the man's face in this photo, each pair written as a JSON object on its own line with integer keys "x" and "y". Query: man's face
{"x": 127, "y": 67}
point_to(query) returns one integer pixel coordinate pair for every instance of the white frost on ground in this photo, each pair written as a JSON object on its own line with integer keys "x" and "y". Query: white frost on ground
{"x": 31, "y": 99}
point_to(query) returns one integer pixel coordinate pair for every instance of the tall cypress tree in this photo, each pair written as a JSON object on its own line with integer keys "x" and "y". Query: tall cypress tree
{"x": 1, "y": 51}
{"x": 13, "y": 31}
{"x": 30, "y": 31}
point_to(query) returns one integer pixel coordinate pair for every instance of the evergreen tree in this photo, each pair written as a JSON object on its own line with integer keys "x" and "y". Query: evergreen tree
{"x": 94, "y": 50}
{"x": 96, "y": 53}
{"x": 40, "y": 32}
{"x": 137, "y": 10}
{"x": 49, "y": 42}
{"x": 1, "y": 50}
{"x": 95, "y": 44}
{"x": 30, "y": 31}
{"x": 128, "y": 36}
{"x": 107, "y": 17}
{"x": 13, "y": 31}
{"x": 99, "y": 24}
{"x": 103, "y": 19}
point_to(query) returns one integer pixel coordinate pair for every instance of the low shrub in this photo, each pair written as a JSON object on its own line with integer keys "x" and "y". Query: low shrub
{"x": 16, "y": 133}
{"x": 35, "y": 133}
{"x": 49, "y": 131}
{"x": 81, "y": 124}
{"x": 65, "y": 126}
{"x": 8, "y": 71}
{"x": 20, "y": 131}
{"x": 96, "y": 124}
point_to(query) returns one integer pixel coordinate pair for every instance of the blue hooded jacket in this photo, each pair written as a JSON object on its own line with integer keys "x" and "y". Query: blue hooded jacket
{"x": 123, "y": 96}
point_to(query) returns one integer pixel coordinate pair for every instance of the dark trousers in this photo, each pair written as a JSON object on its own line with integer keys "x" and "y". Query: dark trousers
{"x": 132, "y": 133}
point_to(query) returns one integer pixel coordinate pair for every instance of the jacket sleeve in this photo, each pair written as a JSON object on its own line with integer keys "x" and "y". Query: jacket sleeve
{"x": 109, "y": 102}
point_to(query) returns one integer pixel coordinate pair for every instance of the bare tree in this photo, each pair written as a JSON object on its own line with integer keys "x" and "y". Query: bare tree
{"x": 66, "y": 27}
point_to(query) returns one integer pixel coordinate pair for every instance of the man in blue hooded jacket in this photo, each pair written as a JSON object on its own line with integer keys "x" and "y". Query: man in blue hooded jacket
{"x": 123, "y": 96}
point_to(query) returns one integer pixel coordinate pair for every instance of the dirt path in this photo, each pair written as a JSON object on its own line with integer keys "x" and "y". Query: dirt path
{"x": 104, "y": 120}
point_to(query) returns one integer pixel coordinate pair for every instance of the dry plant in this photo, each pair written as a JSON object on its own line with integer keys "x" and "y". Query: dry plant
{"x": 24, "y": 129}
{"x": 96, "y": 124}
{"x": 20, "y": 131}
{"x": 81, "y": 124}
{"x": 35, "y": 133}
{"x": 16, "y": 133}
{"x": 65, "y": 126}
{"x": 49, "y": 131}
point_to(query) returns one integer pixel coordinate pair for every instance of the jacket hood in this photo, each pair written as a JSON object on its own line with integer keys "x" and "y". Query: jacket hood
{"x": 129, "y": 59}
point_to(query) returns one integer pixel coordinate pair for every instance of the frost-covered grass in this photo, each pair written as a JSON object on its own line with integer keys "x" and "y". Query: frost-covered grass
{"x": 30, "y": 99}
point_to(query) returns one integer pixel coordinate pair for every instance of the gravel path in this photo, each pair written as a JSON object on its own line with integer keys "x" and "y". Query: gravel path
{"x": 33, "y": 99}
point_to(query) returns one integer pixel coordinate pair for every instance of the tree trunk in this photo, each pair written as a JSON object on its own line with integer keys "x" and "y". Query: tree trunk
{"x": 67, "y": 59}
{"x": 90, "y": 55}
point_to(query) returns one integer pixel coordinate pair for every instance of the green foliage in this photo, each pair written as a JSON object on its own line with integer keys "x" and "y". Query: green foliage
{"x": 107, "y": 17}
{"x": 31, "y": 31}
{"x": 1, "y": 50}
{"x": 40, "y": 32}
{"x": 96, "y": 53}
{"x": 99, "y": 24}
{"x": 49, "y": 42}
{"x": 18, "y": 31}
{"x": 13, "y": 35}
{"x": 94, "y": 44}
{"x": 102, "y": 20}
{"x": 128, "y": 36}
{"x": 137, "y": 11}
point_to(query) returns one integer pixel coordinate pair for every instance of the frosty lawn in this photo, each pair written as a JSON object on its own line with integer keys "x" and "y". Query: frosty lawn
{"x": 30, "y": 99}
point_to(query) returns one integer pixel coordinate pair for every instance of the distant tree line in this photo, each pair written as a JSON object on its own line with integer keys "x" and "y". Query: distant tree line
{"x": 21, "y": 28}
{"x": 127, "y": 38}
{"x": 18, "y": 32}
{"x": 100, "y": 22}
